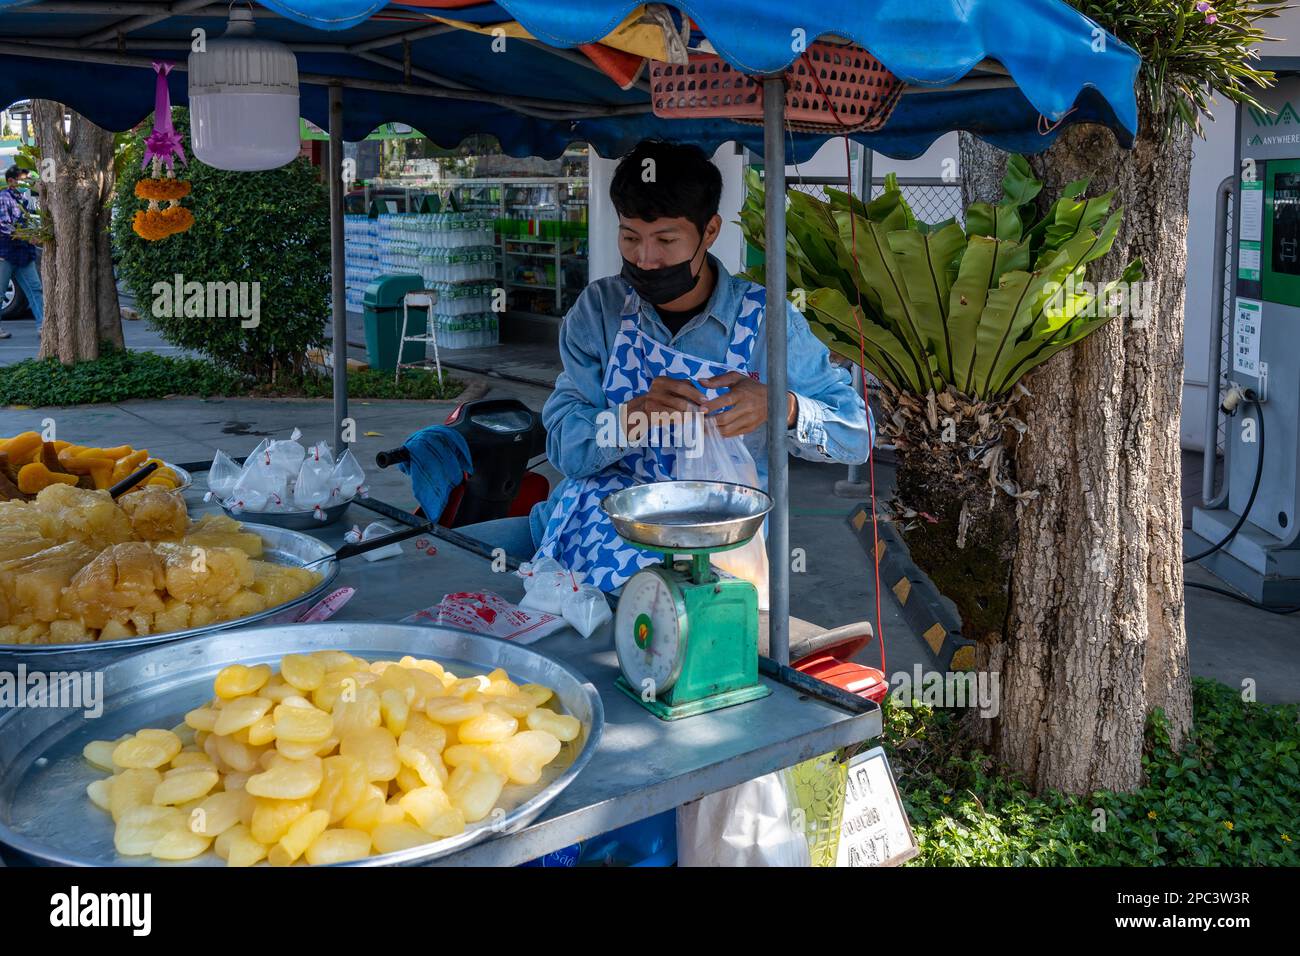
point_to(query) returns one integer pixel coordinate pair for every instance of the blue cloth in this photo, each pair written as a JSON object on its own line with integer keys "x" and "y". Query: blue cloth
{"x": 924, "y": 42}
{"x": 832, "y": 423}
{"x": 439, "y": 462}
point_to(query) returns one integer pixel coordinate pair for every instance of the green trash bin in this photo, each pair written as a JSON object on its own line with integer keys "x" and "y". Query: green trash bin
{"x": 382, "y": 310}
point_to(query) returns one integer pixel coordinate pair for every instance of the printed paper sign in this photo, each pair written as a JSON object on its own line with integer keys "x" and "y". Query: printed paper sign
{"x": 1248, "y": 261}
{"x": 1252, "y": 211}
{"x": 1245, "y": 337}
{"x": 874, "y": 830}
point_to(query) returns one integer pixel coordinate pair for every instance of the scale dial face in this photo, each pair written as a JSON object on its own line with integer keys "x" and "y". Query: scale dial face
{"x": 650, "y": 632}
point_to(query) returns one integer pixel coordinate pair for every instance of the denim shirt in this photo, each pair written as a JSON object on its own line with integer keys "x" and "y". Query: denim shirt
{"x": 832, "y": 422}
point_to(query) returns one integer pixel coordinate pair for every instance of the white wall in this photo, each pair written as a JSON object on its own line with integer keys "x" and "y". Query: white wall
{"x": 602, "y": 220}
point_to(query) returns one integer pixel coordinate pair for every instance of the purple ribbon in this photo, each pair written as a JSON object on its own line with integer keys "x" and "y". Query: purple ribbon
{"x": 164, "y": 143}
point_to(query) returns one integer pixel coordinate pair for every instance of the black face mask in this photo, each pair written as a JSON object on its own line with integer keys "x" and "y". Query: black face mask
{"x": 659, "y": 286}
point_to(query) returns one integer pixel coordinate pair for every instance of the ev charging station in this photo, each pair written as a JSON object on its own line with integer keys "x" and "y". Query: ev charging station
{"x": 1261, "y": 394}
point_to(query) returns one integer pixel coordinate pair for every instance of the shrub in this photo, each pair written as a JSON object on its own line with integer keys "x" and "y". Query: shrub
{"x": 113, "y": 377}
{"x": 1230, "y": 797}
{"x": 121, "y": 375}
{"x": 270, "y": 227}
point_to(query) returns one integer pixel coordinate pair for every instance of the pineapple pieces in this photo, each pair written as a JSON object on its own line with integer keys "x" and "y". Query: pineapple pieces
{"x": 156, "y": 513}
{"x": 204, "y": 575}
{"x": 36, "y": 583}
{"x": 220, "y": 531}
{"x": 91, "y": 517}
{"x": 123, "y": 581}
{"x": 77, "y": 566}
{"x": 275, "y": 777}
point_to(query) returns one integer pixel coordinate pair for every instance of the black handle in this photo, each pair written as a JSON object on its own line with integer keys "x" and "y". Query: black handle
{"x": 130, "y": 481}
{"x": 394, "y": 456}
{"x": 361, "y": 547}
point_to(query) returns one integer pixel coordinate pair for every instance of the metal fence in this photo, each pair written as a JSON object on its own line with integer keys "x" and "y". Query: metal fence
{"x": 932, "y": 199}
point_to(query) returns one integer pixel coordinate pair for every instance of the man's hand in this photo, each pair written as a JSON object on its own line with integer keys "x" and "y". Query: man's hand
{"x": 746, "y": 404}
{"x": 667, "y": 395}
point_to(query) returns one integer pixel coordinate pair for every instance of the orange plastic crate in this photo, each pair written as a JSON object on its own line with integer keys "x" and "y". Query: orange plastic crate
{"x": 829, "y": 89}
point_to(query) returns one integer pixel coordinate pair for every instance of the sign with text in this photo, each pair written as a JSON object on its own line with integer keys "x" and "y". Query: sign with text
{"x": 874, "y": 830}
{"x": 1245, "y": 338}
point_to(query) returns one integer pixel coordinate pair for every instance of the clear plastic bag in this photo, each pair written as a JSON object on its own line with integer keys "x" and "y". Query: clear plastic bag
{"x": 587, "y": 610}
{"x": 727, "y": 459}
{"x": 483, "y": 612}
{"x": 347, "y": 480}
{"x": 222, "y": 475}
{"x": 313, "y": 484}
{"x": 260, "y": 487}
{"x": 548, "y": 585}
{"x": 287, "y": 456}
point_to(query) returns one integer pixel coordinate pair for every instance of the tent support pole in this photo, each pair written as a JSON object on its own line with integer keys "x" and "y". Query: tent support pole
{"x": 338, "y": 304}
{"x": 778, "y": 462}
{"x": 857, "y": 473}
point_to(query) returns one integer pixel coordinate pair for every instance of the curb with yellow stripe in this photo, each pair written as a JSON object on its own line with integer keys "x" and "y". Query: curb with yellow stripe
{"x": 917, "y": 597}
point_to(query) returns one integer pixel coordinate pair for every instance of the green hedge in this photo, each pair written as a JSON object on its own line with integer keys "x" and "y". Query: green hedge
{"x": 1230, "y": 797}
{"x": 122, "y": 375}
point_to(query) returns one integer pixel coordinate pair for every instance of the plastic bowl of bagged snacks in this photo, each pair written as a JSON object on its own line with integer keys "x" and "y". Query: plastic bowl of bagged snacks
{"x": 285, "y": 485}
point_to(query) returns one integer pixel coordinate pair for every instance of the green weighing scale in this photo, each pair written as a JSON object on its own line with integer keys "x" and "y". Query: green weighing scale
{"x": 687, "y": 636}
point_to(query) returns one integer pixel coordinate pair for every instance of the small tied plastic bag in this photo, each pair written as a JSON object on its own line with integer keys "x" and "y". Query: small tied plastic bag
{"x": 287, "y": 456}
{"x": 347, "y": 480}
{"x": 221, "y": 477}
{"x": 551, "y": 587}
{"x": 311, "y": 489}
{"x": 727, "y": 459}
{"x": 261, "y": 487}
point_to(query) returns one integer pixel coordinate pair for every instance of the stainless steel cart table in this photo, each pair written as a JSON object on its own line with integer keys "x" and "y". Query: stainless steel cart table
{"x": 644, "y": 765}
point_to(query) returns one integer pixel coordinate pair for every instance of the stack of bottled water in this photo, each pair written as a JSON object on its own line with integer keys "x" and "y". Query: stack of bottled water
{"x": 360, "y": 257}
{"x": 454, "y": 255}
{"x": 467, "y": 331}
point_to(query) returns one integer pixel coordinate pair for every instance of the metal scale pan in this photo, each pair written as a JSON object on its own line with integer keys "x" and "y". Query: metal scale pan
{"x": 688, "y": 515}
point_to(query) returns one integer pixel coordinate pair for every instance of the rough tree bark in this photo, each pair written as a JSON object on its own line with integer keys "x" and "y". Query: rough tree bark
{"x": 81, "y": 305}
{"x": 1095, "y": 637}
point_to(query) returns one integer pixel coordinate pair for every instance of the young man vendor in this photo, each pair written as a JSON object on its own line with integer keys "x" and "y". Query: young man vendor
{"x": 672, "y": 333}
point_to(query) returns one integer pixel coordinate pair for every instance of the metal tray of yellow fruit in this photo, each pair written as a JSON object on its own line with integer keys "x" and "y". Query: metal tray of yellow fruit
{"x": 186, "y": 478}
{"x": 47, "y": 818}
{"x": 282, "y": 546}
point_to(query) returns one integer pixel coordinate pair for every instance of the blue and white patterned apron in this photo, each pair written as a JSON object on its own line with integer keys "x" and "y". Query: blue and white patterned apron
{"x": 579, "y": 534}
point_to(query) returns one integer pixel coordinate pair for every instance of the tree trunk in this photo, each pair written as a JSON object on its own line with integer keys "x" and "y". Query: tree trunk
{"x": 1095, "y": 638}
{"x": 81, "y": 304}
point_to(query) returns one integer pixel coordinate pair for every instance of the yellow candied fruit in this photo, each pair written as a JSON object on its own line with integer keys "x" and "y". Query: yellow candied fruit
{"x": 238, "y": 680}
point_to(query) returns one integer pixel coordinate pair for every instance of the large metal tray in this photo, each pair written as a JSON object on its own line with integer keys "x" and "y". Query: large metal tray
{"x": 282, "y": 547}
{"x": 47, "y": 819}
{"x": 688, "y": 515}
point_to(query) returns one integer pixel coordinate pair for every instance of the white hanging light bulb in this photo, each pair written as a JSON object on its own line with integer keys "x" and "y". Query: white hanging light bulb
{"x": 244, "y": 100}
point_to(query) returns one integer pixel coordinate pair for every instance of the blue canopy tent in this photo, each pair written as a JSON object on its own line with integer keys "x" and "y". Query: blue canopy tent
{"x": 1009, "y": 71}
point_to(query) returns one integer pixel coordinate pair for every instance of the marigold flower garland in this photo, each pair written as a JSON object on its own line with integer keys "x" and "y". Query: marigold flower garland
{"x": 165, "y": 216}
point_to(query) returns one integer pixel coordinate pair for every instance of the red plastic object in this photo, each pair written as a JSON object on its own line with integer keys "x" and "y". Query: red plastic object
{"x": 857, "y": 679}
{"x": 448, "y": 517}
{"x": 454, "y": 416}
{"x": 532, "y": 489}
{"x": 831, "y": 88}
